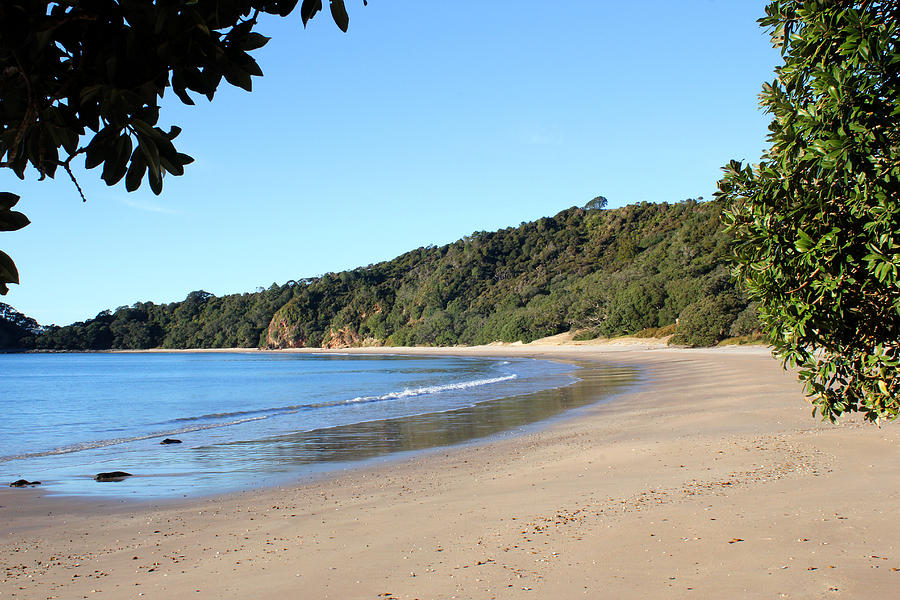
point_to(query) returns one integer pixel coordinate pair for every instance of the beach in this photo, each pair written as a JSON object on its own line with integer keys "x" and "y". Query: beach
{"x": 709, "y": 479}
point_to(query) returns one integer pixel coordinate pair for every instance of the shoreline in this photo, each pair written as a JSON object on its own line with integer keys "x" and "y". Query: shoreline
{"x": 710, "y": 478}
{"x": 319, "y": 472}
{"x": 316, "y": 448}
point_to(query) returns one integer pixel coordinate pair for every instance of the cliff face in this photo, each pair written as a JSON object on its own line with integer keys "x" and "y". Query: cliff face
{"x": 343, "y": 337}
{"x": 346, "y": 337}
{"x": 282, "y": 334}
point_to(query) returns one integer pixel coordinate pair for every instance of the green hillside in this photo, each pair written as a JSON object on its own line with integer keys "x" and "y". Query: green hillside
{"x": 605, "y": 272}
{"x": 15, "y": 328}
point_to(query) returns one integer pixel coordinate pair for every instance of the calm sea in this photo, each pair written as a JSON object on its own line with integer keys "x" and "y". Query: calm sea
{"x": 254, "y": 419}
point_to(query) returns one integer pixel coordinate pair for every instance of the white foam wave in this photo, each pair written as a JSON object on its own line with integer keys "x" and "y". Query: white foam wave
{"x": 430, "y": 389}
{"x": 402, "y": 394}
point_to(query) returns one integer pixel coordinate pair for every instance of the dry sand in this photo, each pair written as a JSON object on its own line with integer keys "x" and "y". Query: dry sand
{"x": 711, "y": 480}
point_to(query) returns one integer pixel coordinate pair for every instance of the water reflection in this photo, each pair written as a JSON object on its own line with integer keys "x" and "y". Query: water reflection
{"x": 372, "y": 439}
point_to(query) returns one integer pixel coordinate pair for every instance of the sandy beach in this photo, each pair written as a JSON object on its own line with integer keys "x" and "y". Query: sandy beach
{"x": 709, "y": 480}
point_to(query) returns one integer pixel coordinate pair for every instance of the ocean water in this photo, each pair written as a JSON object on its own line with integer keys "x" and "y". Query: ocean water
{"x": 256, "y": 419}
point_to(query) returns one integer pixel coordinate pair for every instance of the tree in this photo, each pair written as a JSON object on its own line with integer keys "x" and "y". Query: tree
{"x": 706, "y": 322}
{"x": 85, "y": 77}
{"x": 598, "y": 203}
{"x": 16, "y": 327}
{"x": 817, "y": 222}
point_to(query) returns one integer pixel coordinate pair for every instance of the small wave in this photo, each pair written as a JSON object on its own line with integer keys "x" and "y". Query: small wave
{"x": 258, "y": 415}
{"x": 405, "y": 393}
{"x": 430, "y": 389}
{"x": 124, "y": 440}
{"x": 263, "y": 412}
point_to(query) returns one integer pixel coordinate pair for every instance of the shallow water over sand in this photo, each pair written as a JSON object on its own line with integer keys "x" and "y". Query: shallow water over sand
{"x": 255, "y": 419}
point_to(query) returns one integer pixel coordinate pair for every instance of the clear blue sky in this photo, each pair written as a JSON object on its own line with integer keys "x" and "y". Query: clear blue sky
{"x": 424, "y": 123}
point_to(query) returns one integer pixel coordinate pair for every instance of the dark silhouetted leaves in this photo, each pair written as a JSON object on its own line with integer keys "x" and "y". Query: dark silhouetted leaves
{"x": 339, "y": 14}
{"x": 99, "y": 69}
{"x": 308, "y": 10}
{"x": 8, "y": 272}
{"x": 11, "y": 220}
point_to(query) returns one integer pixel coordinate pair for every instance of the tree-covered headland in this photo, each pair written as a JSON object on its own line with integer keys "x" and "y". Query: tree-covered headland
{"x": 16, "y": 327}
{"x": 629, "y": 270}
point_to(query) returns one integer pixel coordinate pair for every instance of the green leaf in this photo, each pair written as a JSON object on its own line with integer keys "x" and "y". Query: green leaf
{"x": 117, "y": 160}
{"x": 135, "y": 171}
{"x": 8, "y": 272}
{"x": 11, "y": 220}
{"x": 308, "y": 10}
{"x": 154, "y": 178}
{"x": 183, "y": 95}
{"x": 803, "y": 242}
{"x": 251, "y": 66}
{"x": 8, "y": 200}
{"x": 150, "y": 151}
{"x": 285, "y": 7}
{"x": 238, "y": 77}
{"x": 339, "y": 14}
{"x": 254, "y": 41}
{"x": 92, "y": 157}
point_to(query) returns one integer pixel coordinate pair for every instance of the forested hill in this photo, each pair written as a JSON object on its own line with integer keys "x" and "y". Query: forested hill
{"x": 605, "y": 272}
{"x": 14, "y": 326}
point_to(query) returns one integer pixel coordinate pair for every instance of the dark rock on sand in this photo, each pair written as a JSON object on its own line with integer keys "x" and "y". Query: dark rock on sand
{"x": 23, "y": 483}
{"x": 170, "y": 441}
{"x": 111, "y": 476}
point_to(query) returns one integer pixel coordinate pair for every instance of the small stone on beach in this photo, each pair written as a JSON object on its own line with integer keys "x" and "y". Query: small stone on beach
{"x": 23, "y": 483}
{"x": 111, "y": 476}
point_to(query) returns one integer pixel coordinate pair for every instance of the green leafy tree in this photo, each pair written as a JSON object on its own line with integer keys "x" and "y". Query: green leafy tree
{"x": 817, "y": 222}
{"x": 16, "y": 330}
{"x": 598, "y": 203}
{"x": 706, "y": 322}
{"x": 85, "y": 78}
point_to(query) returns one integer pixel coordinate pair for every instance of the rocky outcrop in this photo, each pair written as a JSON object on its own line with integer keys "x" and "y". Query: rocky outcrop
{"x": 288, "y": 330}
{"x": 283, "y": 334}
{"x": 24, "y": 483}
{"x": 111, "y": 476}
{"x": 343, "y": 337}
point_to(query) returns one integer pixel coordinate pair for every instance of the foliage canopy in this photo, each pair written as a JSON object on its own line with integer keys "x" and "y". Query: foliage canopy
{"x": 85, "y": 77}
{"x": 817, "y": 222}
{"x": 604, "y": 272}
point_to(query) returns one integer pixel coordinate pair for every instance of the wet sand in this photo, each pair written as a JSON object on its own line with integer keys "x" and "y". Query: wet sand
{"x": 709, "y": 480}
